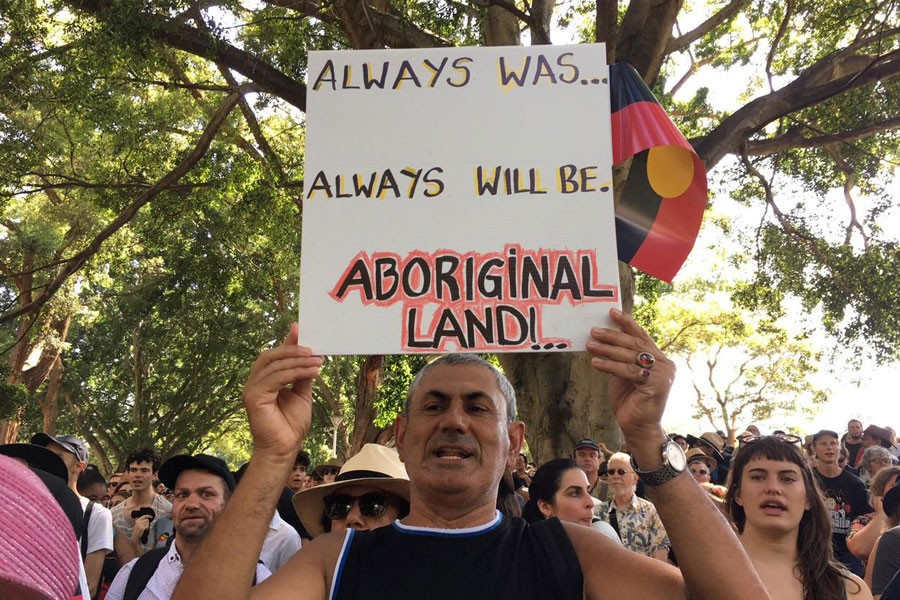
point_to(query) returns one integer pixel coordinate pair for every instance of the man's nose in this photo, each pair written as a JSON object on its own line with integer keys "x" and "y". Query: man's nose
{"x": 355, "y": 520}
{"x": 454, "y": 417}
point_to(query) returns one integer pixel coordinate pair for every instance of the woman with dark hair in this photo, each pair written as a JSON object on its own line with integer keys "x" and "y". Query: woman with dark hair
{"x": 784, "y": 524}
{"x": 560, "y": 489}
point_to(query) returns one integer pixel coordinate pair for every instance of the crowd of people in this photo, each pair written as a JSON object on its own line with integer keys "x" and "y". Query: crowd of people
{"x": 456, "y": 509}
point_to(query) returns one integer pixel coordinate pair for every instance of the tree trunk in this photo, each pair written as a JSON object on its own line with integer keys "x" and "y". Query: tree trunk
{"x": 9, "y": 430}
{"x": 50, "y": 404}
{"x": 367, "y": 383}
{"x": 562, "y": 398}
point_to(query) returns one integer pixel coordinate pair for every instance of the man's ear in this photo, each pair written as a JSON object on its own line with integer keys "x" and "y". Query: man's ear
{"x": 400, "y": 433}
{"x": 516, "y": 433}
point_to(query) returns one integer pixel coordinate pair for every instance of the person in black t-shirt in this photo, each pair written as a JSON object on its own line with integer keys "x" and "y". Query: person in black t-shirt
{"x": 845, "y": 495}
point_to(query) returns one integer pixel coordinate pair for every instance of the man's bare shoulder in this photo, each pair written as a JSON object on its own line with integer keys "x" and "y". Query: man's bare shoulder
{"x": 311, "y": 569}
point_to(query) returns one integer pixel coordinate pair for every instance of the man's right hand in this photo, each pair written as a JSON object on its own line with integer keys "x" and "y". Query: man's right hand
{"x": 278, "y": 397}
{"x": 141, "y": 525}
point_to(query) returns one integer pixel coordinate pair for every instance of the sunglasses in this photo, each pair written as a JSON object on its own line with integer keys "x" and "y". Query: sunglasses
{"x": 620, "y": 472}
{"x": 700, "y": 471}
{"x": 371, "y": 505}
{"x": 330, "y": 471}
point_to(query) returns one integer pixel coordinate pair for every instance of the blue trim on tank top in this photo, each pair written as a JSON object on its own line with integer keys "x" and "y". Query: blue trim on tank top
{"x": 453, "y": 533}
{"x": 342, "y": 560}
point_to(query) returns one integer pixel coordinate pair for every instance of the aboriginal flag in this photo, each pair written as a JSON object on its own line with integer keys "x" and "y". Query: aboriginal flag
{"x": 662, "y": 203}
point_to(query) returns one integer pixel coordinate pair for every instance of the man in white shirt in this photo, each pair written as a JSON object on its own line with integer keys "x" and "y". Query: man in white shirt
{"x": 97, "y": 538}
{"x": 202, "y": 485}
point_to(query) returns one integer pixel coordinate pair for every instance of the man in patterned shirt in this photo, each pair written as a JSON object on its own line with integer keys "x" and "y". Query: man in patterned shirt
{"x": 634, "y": 519}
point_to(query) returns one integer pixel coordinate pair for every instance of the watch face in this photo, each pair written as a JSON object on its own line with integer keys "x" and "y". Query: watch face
{"x": 676, "y": 457}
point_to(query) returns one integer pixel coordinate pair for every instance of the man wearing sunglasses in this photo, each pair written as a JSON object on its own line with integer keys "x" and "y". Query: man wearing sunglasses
{"x": 634, "y": 519}
{"x": 371, "y": 490}
{"x": 457, "y": 437}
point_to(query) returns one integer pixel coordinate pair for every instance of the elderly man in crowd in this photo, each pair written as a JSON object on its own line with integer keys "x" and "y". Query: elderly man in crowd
{"x": 456, "y": 438}
{"x": 634, "y": 519}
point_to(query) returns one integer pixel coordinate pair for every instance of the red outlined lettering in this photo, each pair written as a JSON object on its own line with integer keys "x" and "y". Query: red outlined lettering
{"x": 475, "y": 301}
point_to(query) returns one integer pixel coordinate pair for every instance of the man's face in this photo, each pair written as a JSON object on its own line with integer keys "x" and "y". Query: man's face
{"x": 297, "y": 477}
{"x": 114, "y": 480}
{"x": 588, "y": 460}
{"x": 141, "y": 475}
{"x": 73, "y": 465}
{"x": 456, "y": 439}
{"x": 855, "y": 429}
{"x": 520, "y": 463}
{"x": 827, "y": 450}
{"x": 198, "y": 500}
{"x": 621, "y": 485}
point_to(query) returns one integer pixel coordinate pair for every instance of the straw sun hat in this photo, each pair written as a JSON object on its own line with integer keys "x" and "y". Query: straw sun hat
{"x": 38, "y": 550}
{"x": 375, "y": 466}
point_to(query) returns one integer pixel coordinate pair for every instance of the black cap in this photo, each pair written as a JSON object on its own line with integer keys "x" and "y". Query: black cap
{"x": 824, "y": 433}
{"x": 69, "y": 442}
{"x": 37, "y": 457}
{"x": 587, "y": 443}
{"x": 172, "y": 468}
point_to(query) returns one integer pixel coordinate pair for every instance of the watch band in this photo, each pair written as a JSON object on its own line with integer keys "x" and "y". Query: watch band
{"x": 665, "y": 472}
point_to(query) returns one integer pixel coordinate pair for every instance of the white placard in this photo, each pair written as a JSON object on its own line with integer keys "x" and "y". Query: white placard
{"x": 457, "y": 199}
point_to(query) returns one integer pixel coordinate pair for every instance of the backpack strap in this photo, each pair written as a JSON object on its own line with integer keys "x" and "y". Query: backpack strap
{"x": 142, "y": 571}
{"x": 84, "y": 528}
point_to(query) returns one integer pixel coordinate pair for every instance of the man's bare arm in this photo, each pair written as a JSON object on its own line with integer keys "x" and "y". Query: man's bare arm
{"x": 278, "y": 399}
{"x": 639, "y": 398}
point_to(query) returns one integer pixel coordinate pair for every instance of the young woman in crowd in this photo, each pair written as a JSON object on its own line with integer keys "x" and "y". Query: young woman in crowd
{"x": 784, "y": 525}
{"x": 370, "y": 491}
{"x": 559, "y": 489}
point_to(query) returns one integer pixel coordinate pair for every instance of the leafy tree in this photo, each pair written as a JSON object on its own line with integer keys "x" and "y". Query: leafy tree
{"x": 114, "y": 106}
{"x": 743, "y": 365}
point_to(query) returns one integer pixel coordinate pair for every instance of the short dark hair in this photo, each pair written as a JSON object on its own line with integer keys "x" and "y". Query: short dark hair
{"x": 147, "y": 455}
{"x": 302, "y": 459}
{"x": 90, "y": 476}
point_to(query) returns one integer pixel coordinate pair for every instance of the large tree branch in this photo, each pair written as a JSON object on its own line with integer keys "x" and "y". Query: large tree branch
{"x": 794, "y": 138}
{"x": 194, "y": 41}
{"x": 736, "y": 129}
{"x": 727, "y": 12}
{"x": 77, "y": 261}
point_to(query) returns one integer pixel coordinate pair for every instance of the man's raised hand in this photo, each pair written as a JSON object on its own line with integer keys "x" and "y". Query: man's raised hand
{"x": 278, "y": 396}
{"x": 641, "y": 374}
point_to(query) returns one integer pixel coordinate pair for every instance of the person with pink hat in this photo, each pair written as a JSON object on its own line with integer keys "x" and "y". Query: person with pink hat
{"x": 38, "y": 549}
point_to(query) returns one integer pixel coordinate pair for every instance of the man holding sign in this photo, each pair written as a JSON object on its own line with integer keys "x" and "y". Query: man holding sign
{"x": 456, "y": 439}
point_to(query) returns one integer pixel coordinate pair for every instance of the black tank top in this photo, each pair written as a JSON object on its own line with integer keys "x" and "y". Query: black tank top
{"x": 504, "y": 559}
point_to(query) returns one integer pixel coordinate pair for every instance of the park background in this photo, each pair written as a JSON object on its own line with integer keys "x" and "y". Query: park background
{"x": 151, "y": 161}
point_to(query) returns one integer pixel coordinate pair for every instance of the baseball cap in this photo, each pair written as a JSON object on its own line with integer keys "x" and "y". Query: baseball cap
{"x": 172, "y": 468}
{"x": 69, "y": 442}
{"x": 587, "y": 443}
{"x": 824, "y": 433}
